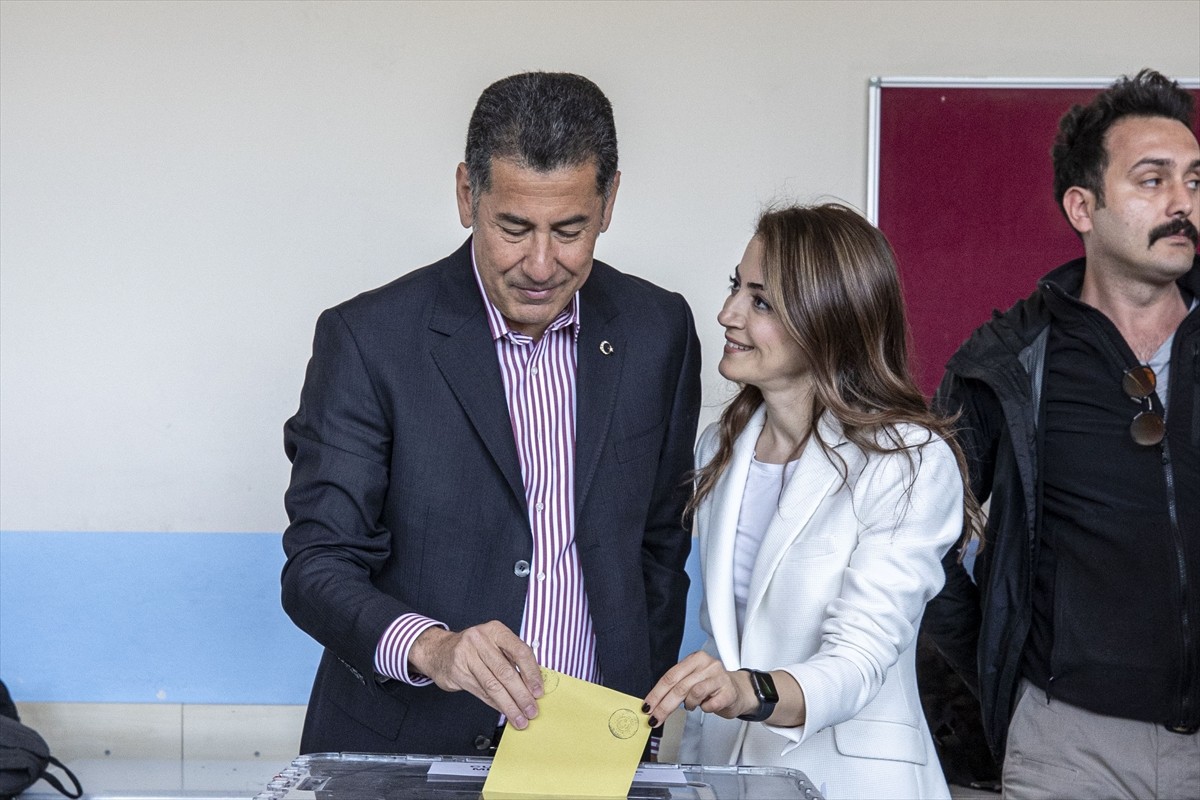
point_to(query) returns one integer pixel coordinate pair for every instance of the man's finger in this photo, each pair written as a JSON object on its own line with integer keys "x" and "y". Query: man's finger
{"x": 505, "y": 661}
{"x": 521, "y": 656}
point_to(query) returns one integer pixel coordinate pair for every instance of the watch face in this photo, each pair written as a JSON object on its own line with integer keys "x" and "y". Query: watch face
{"x": 764, "y": 687}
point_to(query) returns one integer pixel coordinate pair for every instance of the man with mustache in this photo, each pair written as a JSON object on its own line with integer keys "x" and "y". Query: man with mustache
{"x": 1080, "y": 417}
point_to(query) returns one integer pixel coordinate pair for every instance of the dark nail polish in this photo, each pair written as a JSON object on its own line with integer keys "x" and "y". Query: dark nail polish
{"x": 653, "y": 722}
{"x": 645, "y": 708}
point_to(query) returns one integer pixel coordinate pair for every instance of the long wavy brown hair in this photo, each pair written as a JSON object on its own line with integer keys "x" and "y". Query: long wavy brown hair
{"x": 831, "y": 277}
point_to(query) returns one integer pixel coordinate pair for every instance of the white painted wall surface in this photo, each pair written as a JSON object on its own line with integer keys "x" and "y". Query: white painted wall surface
{"x": 185, "y": 185}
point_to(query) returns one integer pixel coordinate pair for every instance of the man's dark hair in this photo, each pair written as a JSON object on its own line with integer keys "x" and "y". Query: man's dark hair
{"x": 543, "y": 121}
{"x": 1078, "y": 154}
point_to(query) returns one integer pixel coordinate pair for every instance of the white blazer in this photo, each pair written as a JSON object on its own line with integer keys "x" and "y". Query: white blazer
{"x": 835, "y": 598}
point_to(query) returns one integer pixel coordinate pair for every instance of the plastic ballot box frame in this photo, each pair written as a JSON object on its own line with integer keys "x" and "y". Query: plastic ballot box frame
{"x": 364, "y": 776}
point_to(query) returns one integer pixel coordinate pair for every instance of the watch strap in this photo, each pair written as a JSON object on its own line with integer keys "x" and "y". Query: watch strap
{"x": 764, "y": 689}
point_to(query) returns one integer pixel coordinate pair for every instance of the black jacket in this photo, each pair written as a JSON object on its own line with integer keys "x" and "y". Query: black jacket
{"x": 995, "y": 382}
{"x": 407, "y": 496}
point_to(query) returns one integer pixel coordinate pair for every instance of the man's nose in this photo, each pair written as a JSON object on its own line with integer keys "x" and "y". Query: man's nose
{"x": 1183, "y": 200}
{"x": 540, "y": 260}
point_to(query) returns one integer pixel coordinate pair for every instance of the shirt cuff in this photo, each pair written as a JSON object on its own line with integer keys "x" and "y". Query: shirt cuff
{"x": 391, "y": 654}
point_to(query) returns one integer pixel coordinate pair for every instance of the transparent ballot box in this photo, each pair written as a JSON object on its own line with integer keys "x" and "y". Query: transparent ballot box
{"x": 360, "y": 776}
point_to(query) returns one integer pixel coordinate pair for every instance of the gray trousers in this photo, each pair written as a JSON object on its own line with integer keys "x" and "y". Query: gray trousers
{"x": 1057, "y": 750}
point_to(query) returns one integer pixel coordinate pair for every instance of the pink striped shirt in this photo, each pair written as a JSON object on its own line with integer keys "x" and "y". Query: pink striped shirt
{"x": 539, "y": 386}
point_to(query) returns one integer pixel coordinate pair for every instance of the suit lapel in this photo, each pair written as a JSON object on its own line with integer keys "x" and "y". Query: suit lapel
{"x": 600, "y": 359}
{"x": 467, "y": 360}
{"x": 719, "y": 544}
{"x": 815, "y": 475}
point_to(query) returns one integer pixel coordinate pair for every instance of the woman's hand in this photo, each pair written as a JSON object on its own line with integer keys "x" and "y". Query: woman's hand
{"x": 701, "y": 681}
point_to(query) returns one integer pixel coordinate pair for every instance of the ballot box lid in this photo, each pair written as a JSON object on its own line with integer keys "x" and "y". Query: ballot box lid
{"x": 363, "y": 776}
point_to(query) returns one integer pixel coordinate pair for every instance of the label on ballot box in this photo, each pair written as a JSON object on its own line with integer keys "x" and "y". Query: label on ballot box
{"x": 647, "y": 773}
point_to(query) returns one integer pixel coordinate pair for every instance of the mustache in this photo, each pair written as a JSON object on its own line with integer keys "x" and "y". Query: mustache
{"x": 1176, "y": 226}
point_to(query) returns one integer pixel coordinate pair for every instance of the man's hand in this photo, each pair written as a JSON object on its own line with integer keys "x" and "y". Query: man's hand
{"x": 489, "y": 661}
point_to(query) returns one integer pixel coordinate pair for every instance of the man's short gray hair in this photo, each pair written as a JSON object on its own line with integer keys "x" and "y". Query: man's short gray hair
{"x": 544, "y": 121}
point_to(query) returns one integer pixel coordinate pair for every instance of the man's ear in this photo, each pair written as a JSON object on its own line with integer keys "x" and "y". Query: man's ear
{"x": 462, "y": 193}
{"x": 1080, "y": 205}
{"x": 612, "y": 201}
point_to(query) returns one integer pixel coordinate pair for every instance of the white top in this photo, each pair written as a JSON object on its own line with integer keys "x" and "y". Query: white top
{"x": 764, "y": 485}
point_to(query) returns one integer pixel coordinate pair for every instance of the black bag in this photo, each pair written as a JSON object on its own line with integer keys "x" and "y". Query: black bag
{"x": 24, "y": 755}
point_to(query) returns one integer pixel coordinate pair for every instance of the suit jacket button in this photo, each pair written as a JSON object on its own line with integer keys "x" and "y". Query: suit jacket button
{"x": 521, "y": 569}
{"x": 482, "y": 742}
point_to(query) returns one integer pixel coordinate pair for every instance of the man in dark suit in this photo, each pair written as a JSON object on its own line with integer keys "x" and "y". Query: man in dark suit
{"x": 490, "y": 459}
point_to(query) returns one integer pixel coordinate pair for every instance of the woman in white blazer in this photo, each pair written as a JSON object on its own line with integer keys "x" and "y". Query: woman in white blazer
{"x": 826, "y": 496}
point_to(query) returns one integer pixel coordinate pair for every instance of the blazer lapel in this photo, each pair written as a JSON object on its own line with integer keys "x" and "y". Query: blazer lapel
{"x": 600, "y": 360}
{"x": 815, "y": 475}
{"x": 467, "y": 360}
{"x": 718, "y": 544}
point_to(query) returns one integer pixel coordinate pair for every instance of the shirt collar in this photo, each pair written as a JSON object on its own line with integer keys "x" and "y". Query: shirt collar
{"x": 498, "y": 325}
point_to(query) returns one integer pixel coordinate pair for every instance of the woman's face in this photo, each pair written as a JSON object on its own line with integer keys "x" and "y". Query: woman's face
{"x": 758, "y": 349}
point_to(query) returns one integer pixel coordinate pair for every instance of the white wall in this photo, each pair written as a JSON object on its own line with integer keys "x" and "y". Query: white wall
{"x": 184, "y": 186}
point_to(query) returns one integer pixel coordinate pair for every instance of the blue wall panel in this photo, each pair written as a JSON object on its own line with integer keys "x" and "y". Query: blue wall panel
{"x": 148, "y": 617}
{"x": 161, "y": 617}
{"x": 693, "y": 636}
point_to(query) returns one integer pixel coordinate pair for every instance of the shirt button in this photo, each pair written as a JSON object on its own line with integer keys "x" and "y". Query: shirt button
{"x": 534, "y": 370}
{"x": 521, "y": 569}
{"x": 540, "y": 506}
{"x": 541, "y": 576}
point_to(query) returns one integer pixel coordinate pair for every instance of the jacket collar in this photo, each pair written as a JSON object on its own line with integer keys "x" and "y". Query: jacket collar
{"x": 1014, "y": 330}
{"x": 467, "y": 360}
{"x": 601, "y": 352}
{"x": 466, "y": 357}
{"x": 814, "y": 477}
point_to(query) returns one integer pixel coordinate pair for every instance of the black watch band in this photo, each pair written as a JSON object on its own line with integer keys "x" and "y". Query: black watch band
{"x": 764, "y": 690}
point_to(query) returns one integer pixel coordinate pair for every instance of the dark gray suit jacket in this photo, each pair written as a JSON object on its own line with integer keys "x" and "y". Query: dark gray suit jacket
{"x": 406, "y": 494}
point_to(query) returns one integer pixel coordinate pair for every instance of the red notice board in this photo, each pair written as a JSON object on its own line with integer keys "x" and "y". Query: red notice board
{"x": 963, "y": 188}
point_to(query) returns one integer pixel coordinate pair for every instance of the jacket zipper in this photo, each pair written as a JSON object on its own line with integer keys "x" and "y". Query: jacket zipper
{"x": 1196, "y": 395}
{"x": 1185, "y": 678}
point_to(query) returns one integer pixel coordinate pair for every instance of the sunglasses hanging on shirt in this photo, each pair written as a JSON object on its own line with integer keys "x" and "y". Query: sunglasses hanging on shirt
{"x": 1147, "y": 428}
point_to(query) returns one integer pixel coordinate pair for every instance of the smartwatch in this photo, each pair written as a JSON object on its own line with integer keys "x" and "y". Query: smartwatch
{"x": 764, "y": 690}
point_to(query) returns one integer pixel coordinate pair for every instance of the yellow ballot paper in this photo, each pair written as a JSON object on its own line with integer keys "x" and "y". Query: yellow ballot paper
{"x": 586, "y": 741}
